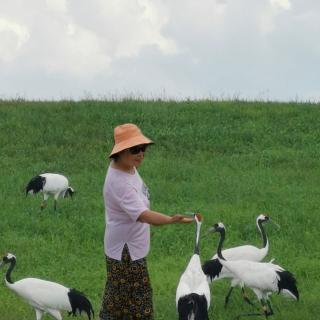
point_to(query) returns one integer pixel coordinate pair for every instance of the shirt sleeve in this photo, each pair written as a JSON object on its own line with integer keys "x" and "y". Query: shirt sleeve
{"x": 132, "y": 204}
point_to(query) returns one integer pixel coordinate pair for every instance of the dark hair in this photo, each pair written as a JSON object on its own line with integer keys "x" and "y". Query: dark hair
{"x": 115, "y": 157}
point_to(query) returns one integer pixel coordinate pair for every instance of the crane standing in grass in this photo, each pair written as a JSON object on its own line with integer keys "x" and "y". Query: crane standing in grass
{"x": 263, "y": 278}
{"x": 46, "y": 296}
{"x": 215, "y": 271}
{"x": 193, "y": 292}
{"x": 50, "y": 184}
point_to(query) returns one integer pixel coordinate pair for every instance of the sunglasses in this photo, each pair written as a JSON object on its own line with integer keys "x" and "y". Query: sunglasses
{"x": 137, "y": 149}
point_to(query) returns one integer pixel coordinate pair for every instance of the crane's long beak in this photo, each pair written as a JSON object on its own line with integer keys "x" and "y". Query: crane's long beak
{"x": 1, "y": 264}
{"x": 275, "y": 224}
{"x": 190, "y": 214}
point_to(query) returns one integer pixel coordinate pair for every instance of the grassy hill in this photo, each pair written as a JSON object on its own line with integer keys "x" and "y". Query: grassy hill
{"x": 230, "y": 160}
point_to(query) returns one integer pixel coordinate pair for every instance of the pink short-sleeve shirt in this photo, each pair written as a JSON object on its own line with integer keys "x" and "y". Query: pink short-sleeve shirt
{"x": 125, "y": 197}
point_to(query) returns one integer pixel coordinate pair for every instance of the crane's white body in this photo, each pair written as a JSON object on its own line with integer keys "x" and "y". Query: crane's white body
{"x": 246, "y": 252}
{"x": 261, "y": 277}
{"x": 56, "y": 185}
{"x": 45, "y": 296}
{"x": 193, "y": 280}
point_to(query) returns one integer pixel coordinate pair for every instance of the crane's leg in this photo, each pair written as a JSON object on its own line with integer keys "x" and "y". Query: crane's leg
{"x": 265, "y": 313}
{"x": 44, "y": 202}
{"x": 257, "y": 314}
{"x": 226, "y": 300}
{"x": 245, "y": 297}
{"x": 56, "y": 197}
{"x": 39, "y": 314}
{"x": 270, "y": 308}
{"x": 55, "y": 314}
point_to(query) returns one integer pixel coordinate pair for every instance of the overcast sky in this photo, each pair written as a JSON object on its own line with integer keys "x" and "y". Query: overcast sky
{"x": 265, "y": 49}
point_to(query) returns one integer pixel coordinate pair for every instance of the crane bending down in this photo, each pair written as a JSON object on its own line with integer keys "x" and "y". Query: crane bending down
{"x": 193, "y": 292}
{"x": 264, "y": 278}
{"x": 46, "y": 296}
{"x": 50, "y": 184}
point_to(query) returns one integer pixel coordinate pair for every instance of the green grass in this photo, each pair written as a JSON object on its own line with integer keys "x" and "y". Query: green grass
{"x": 230, "y": 160}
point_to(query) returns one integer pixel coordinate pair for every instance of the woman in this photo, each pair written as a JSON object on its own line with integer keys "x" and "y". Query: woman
{"x": 128, "y": 293}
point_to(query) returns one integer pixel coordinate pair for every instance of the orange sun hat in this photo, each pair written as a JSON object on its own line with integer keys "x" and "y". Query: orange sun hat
{"x": 126, "y": 136}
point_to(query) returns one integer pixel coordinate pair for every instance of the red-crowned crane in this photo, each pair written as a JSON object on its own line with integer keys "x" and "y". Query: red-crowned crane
{"x": 193, "y": 292}
{"x": 264, "y": 278}
{"x": 215, "y": 271}
{"x": 46, "y": 296}
{"x": 50, "y": 184}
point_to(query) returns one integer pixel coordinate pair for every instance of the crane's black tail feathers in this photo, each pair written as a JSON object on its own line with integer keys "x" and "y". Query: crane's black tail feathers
{"x": 69, "y": 193}
{"x": 193, "y": 303}
{"x": 35, "y": 184}
{"x": 80, "y": 302}
{"x": 212, "y": 268}
{"x": 288, "y": 284}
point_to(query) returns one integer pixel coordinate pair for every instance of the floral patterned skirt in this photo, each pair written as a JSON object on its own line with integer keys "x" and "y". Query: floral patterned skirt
{"x": 128, "y": 292}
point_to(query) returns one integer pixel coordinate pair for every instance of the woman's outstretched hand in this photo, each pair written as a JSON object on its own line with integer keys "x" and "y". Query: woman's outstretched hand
{"x": 158, "y": 219}
{"x": 181, "y": 219}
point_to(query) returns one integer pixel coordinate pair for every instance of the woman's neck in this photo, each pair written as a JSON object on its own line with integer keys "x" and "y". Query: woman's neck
{"x": 124, "y": 168}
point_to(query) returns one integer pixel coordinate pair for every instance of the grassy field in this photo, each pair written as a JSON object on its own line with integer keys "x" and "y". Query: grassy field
{"x": 230, "y": 160}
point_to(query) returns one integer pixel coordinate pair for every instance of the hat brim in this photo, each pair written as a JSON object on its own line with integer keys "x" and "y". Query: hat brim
{"x": 135, "y": 141}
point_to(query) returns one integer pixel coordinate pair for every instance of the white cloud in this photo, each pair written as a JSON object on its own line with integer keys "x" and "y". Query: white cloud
{"x": 71, "y": 29}
{"x": 281, "y": 4}
{"x": 126, "y": 26}
{"x": 269, "y": 16}
{"x": 13, "y": 36}
{"x": 82, "y": 39}
{"x": 77, "y": 53}
{"x": 57, "y": 5}
{"x": 155, "y": 20}
{"x": 221, "y": 47}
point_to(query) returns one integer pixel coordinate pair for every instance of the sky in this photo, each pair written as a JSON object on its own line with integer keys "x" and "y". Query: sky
{"x": 170, "y": 49}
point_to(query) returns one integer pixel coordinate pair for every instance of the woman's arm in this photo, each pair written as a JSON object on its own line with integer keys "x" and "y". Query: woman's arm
{"x": 158, "y": 219}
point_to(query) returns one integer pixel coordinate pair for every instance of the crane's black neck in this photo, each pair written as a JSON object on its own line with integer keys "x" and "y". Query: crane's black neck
{"x": 221, "y": 240}
{"x": 263, "y": 233}
{"x": 11, "y": 267}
